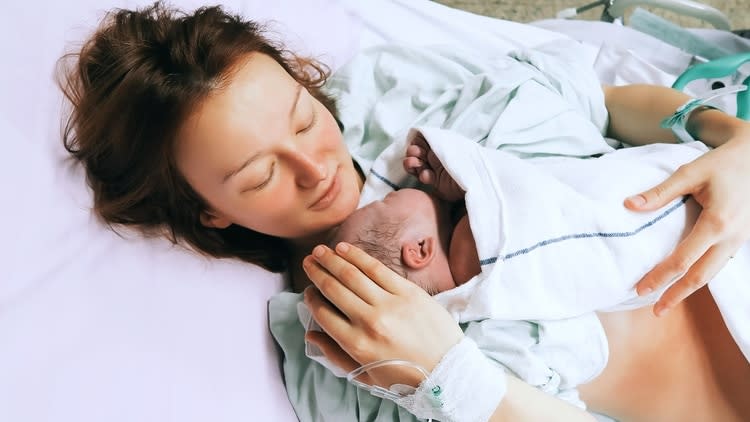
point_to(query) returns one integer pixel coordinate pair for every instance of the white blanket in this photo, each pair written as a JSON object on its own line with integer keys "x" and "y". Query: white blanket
{"x": 555, "y": 241}
{"x": 554, "y": 238}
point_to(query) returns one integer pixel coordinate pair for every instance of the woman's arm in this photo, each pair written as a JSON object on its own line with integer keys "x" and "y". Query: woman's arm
{"x": 636, "y": 112}
{"x": 372, "y": 314}
{"x": 523, "y": 402}
{"x": 717, "y": 181}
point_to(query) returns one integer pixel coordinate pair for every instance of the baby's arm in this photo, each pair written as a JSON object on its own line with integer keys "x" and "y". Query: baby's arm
{"x": 421, "y": 162}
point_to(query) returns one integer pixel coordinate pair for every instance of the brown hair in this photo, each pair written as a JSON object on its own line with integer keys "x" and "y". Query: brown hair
{"x": 134, "y": 83}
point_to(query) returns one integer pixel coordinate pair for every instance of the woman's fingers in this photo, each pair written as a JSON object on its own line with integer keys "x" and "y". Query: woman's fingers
{"x": 327, "y": 315}
{"x": 373, "y": 269}
{"x": 345, "y": 332}
{"x": 681, "y": 182}
{"x": 703, "y": 271}
{"x": 334, "y": 353}
{"x": 347, "y": 275}
{"x": 331, "y": 285}
{"x": 687, "y": 252}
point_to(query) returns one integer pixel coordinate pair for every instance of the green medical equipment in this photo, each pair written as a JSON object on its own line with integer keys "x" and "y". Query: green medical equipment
{"x": 716, "y": 69}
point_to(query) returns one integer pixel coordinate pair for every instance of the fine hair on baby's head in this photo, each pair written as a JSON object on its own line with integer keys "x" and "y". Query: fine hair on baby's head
{"x": 408, "y": 231}
{"x": 379, "y": 239}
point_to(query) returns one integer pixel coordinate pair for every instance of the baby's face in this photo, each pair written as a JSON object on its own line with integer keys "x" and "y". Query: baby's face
{"x": 397, "y": 207}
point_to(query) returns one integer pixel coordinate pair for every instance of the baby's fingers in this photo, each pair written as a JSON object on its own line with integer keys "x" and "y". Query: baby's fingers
{"x": 416, "y": 167}
{"x": 427, "y": 176}
{"x": 413, "y": 165}
{"x": 416, "y": 151}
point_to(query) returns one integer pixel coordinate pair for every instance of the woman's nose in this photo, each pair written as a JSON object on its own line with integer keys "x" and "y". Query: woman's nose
{"x": 308, "y": 171}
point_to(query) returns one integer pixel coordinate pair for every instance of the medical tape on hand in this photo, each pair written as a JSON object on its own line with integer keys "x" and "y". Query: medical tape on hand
{"x": 678, "y": 121}
{"x": 465, "y": 386}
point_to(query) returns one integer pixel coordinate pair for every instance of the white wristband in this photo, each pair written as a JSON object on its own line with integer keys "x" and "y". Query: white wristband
{"x": 465, "y": 386}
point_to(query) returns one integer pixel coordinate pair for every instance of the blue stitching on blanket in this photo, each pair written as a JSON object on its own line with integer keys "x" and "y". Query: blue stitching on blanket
{"x": 386, "y": 181}
{"x": 584, "y": 236}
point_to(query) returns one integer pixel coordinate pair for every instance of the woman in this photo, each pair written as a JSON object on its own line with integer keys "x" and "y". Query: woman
{"x": 197, "y": 127}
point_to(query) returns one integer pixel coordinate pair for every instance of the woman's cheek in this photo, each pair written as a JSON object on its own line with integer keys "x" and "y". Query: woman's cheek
{"x": 330, "y": 133}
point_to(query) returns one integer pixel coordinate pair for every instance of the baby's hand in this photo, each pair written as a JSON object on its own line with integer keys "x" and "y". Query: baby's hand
{"x": 421, "y": 162}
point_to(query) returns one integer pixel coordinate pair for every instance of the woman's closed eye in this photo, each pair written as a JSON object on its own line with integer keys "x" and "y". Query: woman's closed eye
{"x": 265, "y": 182}
{"x": 310, "y": 125}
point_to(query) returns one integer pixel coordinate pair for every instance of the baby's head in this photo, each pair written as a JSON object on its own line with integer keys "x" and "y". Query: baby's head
{"x": 408, "y": 231}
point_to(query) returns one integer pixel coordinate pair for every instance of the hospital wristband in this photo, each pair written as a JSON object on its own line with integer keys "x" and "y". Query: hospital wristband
{"x": 678, "y": 121}
{"x": 465, "y": 386}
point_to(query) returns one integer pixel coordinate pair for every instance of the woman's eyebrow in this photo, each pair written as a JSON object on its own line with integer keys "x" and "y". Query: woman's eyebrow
{"x": 241, "y": 167}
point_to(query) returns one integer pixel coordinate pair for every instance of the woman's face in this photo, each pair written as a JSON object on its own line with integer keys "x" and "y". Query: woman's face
{"x": 268, "y": 156}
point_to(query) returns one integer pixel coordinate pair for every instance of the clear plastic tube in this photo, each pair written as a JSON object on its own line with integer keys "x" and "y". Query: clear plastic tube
{"x": 387, "y": 393}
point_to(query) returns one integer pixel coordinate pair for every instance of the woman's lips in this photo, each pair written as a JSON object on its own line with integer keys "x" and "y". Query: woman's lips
{"x": 329, "y": 195}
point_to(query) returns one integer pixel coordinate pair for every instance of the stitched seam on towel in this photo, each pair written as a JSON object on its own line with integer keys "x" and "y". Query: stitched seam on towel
{"x": 583, "y": 236}
{"x": 386, "y": 181}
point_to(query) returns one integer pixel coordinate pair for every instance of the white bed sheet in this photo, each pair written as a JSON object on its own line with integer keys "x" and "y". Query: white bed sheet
{"x": 98, "y": 327}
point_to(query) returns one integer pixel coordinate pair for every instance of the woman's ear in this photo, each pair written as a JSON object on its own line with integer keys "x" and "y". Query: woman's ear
{"x": 418, "y": 253}
{"x": 212, "y": 220}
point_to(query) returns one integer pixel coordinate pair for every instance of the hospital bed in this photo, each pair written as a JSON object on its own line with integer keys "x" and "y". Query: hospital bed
{"x": 614, "y": 10}
{"x": 104, "y": 326}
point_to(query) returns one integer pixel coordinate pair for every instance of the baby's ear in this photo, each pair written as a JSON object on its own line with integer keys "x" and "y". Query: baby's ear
{"x": 418, "y": 253}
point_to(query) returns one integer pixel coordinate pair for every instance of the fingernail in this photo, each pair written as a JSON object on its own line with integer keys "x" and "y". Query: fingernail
{"x": 661, "y": 310}
{"x": 644, "y": 291}
{"x": 310, "y": 338}
{"x": 637, "y": 200}
{"x": 307, "y": 293}
{"x": 342, "y": 247}
{"x": 318, "y": 251}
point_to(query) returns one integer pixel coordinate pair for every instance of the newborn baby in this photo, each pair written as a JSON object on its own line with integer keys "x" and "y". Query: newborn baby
{"x": 425, "y": 238}
{"x": 422, "y": 238}
{"x": 559, "y": 217}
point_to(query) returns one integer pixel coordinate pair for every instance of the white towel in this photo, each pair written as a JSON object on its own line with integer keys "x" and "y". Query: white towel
{"x": 557, "y": 242}
{"x": 553, "y": 236}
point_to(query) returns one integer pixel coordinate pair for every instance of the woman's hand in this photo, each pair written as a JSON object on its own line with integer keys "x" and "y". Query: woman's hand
{"x": 718, "y": 181}
{"x": 371, "y": 313}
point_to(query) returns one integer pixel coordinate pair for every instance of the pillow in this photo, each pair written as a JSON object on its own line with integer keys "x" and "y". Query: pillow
{"x": 99, "y": 326}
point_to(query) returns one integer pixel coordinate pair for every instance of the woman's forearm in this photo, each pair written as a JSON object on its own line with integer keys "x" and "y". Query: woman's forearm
{"x": 523, "y": 402}
{"x": 636, "y": 112}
